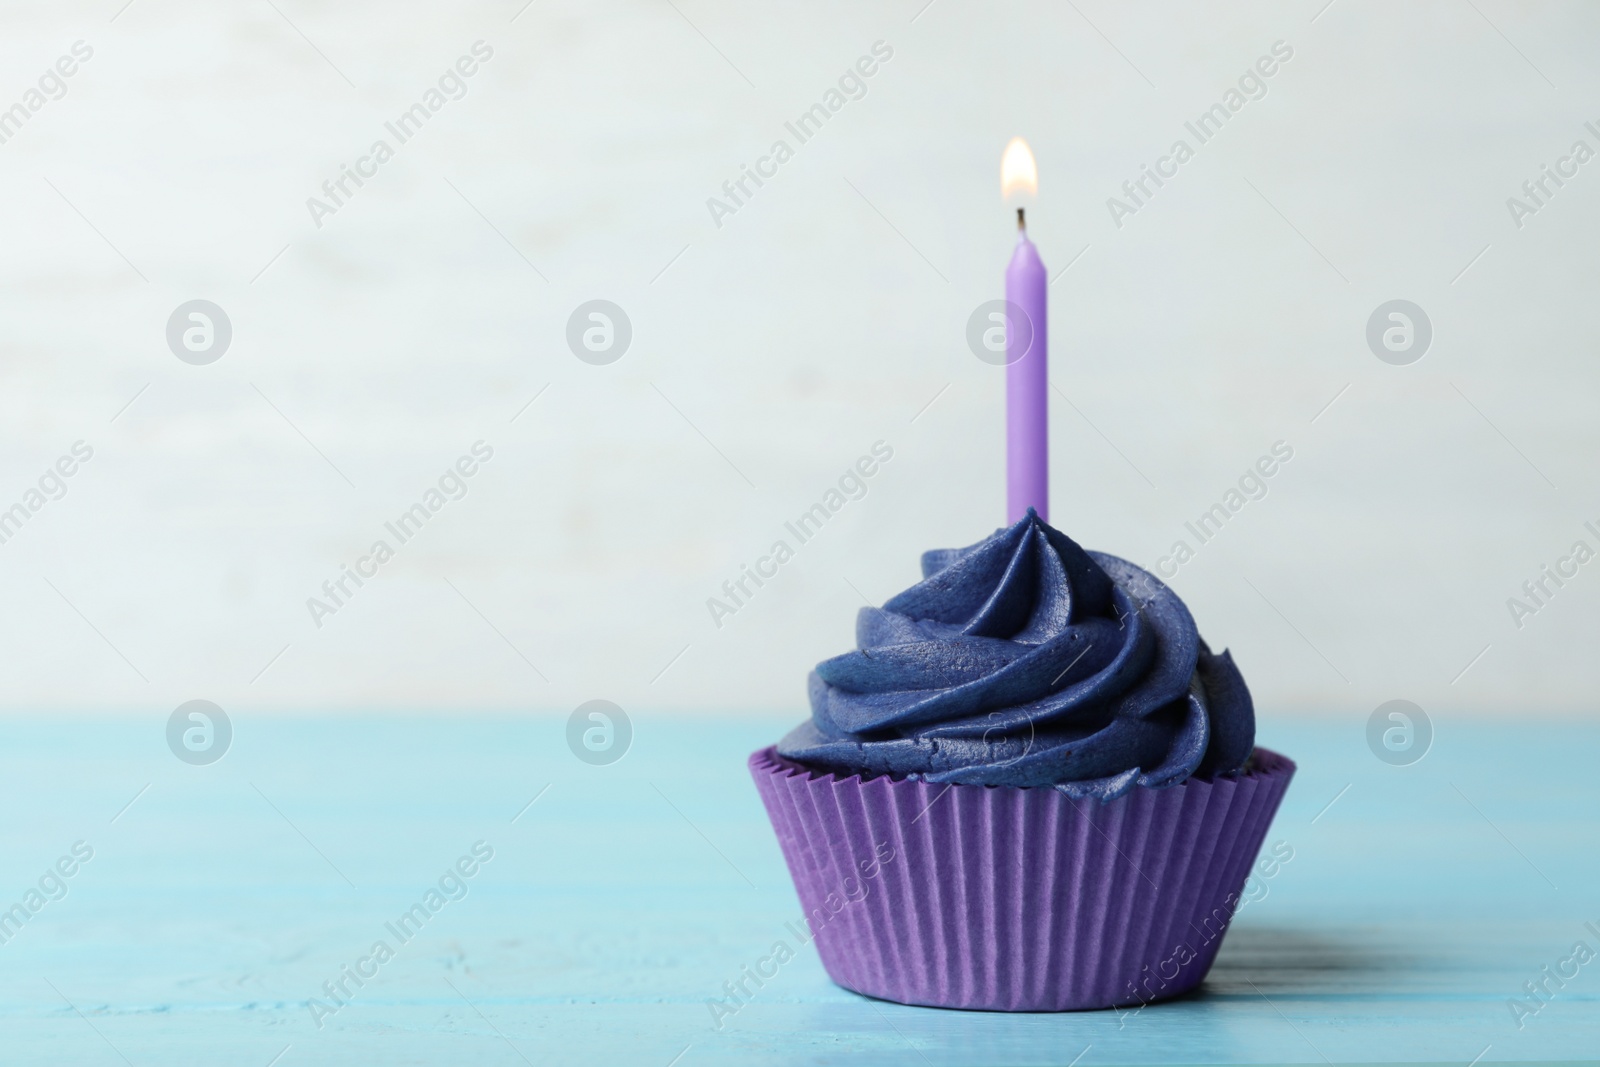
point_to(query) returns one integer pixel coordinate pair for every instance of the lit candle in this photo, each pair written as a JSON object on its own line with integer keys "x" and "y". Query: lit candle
{"x": 1027, "y": 351}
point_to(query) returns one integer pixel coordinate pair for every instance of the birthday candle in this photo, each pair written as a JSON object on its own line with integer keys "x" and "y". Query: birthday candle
{"x": 1027, "y": 352}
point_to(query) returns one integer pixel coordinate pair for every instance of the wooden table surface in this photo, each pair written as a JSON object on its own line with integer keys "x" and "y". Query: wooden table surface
{"x": 217, "y": 903}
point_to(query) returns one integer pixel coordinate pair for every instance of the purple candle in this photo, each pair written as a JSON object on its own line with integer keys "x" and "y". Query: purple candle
{"x": 1027, "y": 353}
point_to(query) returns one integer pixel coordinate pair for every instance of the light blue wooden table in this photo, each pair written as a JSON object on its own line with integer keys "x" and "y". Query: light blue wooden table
{"x": 1419, "y": 901}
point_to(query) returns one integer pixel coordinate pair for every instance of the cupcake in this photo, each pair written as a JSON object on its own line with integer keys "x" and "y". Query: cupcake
{"x": 1031, "y": 787}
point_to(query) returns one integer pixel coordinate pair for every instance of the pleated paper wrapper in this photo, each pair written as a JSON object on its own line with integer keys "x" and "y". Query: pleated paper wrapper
{"x": 1011, "y": 899}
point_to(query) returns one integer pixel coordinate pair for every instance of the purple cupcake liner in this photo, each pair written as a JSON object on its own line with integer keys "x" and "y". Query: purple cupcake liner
{"x": 1010, "y": 899}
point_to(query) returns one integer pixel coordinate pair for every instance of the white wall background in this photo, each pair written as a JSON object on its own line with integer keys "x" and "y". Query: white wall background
{"x": 1222, "y": 317}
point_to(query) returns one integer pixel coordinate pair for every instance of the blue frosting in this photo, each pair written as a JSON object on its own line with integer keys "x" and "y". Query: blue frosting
{"x": 1025, "y": 660}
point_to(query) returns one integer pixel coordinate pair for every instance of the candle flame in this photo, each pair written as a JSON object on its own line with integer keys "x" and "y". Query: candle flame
{"x": 1018, "y": 171}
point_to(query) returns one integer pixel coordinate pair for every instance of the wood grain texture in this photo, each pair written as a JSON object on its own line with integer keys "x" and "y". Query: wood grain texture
{"x": 217, "y": 904}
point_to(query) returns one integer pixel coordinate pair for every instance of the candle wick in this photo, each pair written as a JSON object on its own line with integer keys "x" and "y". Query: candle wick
{"x": 1021, "y": 224}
